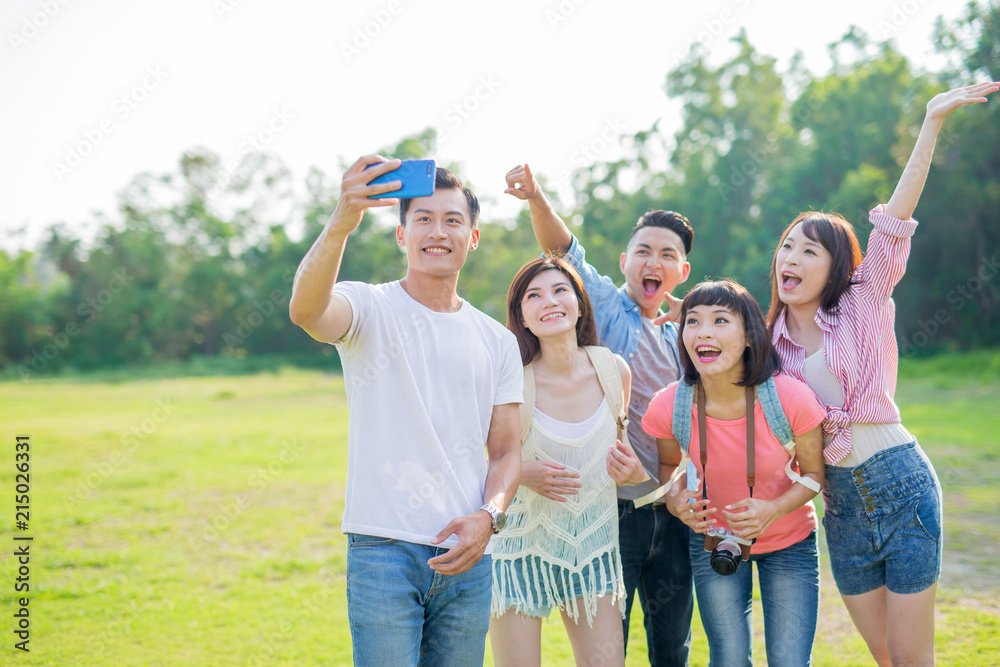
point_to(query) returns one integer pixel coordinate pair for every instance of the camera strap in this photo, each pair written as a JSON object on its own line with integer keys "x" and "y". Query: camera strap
{"x": 751, "y": 450}
{"x": 703, "y": 441}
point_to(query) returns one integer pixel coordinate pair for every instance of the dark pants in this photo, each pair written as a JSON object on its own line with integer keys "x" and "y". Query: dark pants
{"x": 655, "y": 558}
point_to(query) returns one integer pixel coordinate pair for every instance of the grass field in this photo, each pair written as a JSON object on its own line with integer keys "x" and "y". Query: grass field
{"x": 196, "y": 521}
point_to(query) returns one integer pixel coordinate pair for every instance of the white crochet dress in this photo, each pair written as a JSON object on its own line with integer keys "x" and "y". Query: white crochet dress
{"x": 568, "y": 535}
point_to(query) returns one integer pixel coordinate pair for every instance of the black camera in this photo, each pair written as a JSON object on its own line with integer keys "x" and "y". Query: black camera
{"x": 727, "y": 551}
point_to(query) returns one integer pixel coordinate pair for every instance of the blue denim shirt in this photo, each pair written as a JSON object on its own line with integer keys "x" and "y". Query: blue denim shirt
{"x": 619, "y": 320}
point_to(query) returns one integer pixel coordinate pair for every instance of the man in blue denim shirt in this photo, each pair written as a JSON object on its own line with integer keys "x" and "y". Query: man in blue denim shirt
{"x": 653, "y": 542}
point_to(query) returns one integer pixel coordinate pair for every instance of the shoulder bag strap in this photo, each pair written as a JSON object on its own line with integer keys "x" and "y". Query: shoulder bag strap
{"x": 777, "y": 421}
{"x": 610, "y": 378}
{"x": 681, "y": 423}
{"x": 770, "y": 403}
{"x": 702, "y": 441}
{"x": 528, "y": 406}
{"x": 751, "y": 473}
{"x": 682, "y": 411}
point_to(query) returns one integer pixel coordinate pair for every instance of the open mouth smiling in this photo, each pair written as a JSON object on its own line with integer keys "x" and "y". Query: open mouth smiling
{"x": 789, "y": 280}
{"x": 650, "y": 285}
{"x": 707, "y": 353}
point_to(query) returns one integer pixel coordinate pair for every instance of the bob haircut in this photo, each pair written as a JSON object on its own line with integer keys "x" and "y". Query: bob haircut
{"x": 760, "y": 359}
{"x": 586, "y": 329}
{"x": 835, "y": 234}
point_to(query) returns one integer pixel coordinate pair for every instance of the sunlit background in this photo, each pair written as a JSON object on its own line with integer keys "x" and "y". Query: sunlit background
{"x": 504, "y": 83}
{"x": 165, "y": 166}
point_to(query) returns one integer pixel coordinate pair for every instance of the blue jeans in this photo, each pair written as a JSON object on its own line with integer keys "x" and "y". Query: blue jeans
{"x": 789, "y": 592}
{"x": 654, "y": 550}
{"x": 404, "y": 613}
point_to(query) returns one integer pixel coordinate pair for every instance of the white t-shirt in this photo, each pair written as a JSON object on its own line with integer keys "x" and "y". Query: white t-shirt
{"x": 421, "y": 387}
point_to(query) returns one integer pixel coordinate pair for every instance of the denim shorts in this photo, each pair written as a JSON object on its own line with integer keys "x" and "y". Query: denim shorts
{"x": 883, "y": 522}
{"x": 541, "y": 608}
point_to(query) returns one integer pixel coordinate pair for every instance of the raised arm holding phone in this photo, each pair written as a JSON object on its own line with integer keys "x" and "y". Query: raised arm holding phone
{"x": 431, "y": 382}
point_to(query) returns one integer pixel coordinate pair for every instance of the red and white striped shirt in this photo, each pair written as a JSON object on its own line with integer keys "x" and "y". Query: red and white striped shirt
{"x": 859, "y": 338}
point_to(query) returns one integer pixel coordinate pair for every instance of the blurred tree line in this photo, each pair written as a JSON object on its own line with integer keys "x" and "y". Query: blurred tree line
{"x": 199, "y": 262}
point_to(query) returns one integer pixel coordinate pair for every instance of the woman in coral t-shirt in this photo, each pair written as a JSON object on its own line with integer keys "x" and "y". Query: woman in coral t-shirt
{"x": 726, "y": 349}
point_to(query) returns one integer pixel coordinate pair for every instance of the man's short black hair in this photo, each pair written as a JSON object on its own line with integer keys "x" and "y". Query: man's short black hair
{"x": 445, "y": 179}
{"x": 671, "y": 220}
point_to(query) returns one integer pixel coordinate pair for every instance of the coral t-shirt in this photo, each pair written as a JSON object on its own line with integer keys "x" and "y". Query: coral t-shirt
{"x": 727, "y": 457}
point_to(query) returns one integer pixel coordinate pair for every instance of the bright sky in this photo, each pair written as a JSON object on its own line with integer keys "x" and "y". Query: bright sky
{"x": 96, "y": 92}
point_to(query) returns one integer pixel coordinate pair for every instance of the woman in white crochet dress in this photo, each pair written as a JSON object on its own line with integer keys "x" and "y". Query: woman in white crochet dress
{"x": 559, "y": 548}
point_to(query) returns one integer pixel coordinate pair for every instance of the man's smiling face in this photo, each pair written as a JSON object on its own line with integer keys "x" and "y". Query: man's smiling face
{"x": 653, "y": 264}
{"x": 438, "y": 234}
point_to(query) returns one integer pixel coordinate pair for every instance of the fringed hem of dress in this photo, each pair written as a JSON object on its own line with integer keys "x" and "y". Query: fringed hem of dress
{"x": 510, "y": 591}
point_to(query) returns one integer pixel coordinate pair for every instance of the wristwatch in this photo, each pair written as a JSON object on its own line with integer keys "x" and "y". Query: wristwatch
{"x": 499, "y": 518}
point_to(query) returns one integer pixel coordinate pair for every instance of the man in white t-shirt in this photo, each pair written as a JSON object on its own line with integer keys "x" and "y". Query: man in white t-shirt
{"x": 430, "y": 382}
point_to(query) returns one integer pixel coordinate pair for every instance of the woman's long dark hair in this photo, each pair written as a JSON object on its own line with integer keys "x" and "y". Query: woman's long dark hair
{"x": 586, "y": 329}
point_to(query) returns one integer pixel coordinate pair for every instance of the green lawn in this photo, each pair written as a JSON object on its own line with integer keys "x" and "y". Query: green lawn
{"x": 197, "y": 521}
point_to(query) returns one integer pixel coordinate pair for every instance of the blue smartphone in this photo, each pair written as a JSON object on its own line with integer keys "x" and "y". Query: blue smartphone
{"x": 417, "y": 177}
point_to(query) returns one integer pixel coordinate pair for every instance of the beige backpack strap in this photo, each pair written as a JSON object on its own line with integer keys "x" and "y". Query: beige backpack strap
{"x": 610, "y": 378}
{"x": 528, "y": 407}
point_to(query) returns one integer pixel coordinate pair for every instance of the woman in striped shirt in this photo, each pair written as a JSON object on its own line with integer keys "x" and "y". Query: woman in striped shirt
{"x": 832, "y": 319}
